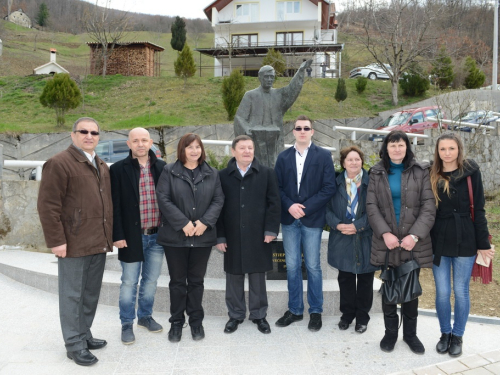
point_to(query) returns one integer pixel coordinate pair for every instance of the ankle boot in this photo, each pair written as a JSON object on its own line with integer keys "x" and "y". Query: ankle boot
{"x": 410, "y": 335}
{"x": 391, "y": 334}
{"x": 444, "y": 343}
{"x": 455, "y": 349}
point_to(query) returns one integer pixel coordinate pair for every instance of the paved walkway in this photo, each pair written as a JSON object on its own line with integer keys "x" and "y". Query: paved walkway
{"x": 31, "y": 344}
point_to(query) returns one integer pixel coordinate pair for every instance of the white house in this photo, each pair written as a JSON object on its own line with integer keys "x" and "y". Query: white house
{"x": 299, "y": 29}
{"x": 51, "y": 67}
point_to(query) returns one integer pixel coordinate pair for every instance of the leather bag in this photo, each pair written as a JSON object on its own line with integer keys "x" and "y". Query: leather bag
{"x": 400, "y": 284}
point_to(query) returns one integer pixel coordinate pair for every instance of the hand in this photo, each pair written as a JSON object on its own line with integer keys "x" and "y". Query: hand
{"x": 391, "y": 241}
{"x": 268, "y": 239}
{"x": 296, "y": 210}
{"x": 408, "y": 243}
{"x": 199, "y": 228}
{"x": 489, "y": 253}
{"x": 59, "y": 251}
{"x": 305, "y": 64}
{"x": 347, "y": 229}
{"x": 188, "y": 229}
{"x": 120, "y": 244}
{"x": 221, "y": 247}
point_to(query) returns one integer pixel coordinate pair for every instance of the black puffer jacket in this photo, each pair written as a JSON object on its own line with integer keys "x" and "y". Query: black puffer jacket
{"x": 418, "y": 211}
{"x": 181, "y": 200}
{"x": 454, "y": 233}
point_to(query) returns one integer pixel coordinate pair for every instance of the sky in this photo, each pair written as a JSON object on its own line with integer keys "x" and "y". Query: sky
{"x": 183, "y": 8}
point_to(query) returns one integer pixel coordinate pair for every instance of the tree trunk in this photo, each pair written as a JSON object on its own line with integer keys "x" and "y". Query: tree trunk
{"x": 394, "y": 91}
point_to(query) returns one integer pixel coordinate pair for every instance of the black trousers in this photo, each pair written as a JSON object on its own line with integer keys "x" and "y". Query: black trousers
{"x": 257, "y": 296}
{"x": 187, "y": 267}
{"x": 356, "y": 296}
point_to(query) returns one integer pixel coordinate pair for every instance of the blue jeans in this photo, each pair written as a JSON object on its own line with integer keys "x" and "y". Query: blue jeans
{"x": 295, "y": 235}
{"x": 151, "y": 269}
{"x": 462, "y": 268}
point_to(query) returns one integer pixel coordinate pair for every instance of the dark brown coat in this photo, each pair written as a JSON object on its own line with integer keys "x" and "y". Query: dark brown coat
{"x": 74, "y": 204}
{"x": 418, "y": 211}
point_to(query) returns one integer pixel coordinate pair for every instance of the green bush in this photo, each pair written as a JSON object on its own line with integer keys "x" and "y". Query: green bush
{"x": 233, "y": 89}
{"x": 341, "y": 93}
{"x": 214, "y": 162}
{"x": 414, "y": 83}
{"x": 361, "y": 83}
{"x": 443, "y": 69}
{"x": 185, "y": 66}
{"x": 475, "y": 77}
{"x": 275, "y": 59}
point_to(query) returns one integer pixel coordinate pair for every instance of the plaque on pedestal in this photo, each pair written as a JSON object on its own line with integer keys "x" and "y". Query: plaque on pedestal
{"x": 279, "y": 264}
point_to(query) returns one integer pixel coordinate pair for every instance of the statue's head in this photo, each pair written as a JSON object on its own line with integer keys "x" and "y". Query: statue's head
{"x": 266, "y": 77}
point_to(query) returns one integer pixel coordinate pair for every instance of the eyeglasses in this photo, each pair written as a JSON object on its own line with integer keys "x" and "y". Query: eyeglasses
{"x": 306, "y": 129}
{"x": 85, "y": 132}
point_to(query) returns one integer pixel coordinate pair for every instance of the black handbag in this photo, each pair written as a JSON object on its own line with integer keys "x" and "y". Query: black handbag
{"x": 400, "y": 284}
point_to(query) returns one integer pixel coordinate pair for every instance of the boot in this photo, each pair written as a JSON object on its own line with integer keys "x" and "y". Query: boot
{"x": 410, "y": 335}
{"x": 391, "y": 334}
{"x": 455, "y": 346}
{"x": 444, "y": 343}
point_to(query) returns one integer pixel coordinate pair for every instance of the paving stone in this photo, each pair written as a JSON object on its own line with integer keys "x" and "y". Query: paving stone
{"x": 474, "y": 361}
{"x": 452, "y": 367}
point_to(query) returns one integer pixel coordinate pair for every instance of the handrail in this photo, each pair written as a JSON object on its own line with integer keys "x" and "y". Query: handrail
{"x": 414, "y": 136}
{"x": 461, "y": 123}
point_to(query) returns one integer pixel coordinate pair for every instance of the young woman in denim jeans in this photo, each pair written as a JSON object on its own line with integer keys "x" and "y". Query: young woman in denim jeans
{"x": 456, "y": 239}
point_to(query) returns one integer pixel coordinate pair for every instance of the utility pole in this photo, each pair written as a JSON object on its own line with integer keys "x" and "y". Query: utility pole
{"x": 495, "y": 49}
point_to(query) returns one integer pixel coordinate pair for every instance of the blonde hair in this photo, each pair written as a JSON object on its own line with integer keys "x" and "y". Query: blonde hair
{"x": 438, "y": 178}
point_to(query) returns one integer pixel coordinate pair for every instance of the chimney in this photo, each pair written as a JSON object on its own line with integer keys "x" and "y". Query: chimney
{"x": 53, "y": 55}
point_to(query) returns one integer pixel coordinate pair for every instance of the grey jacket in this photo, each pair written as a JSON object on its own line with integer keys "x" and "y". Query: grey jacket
{"x": 418, "y": 211}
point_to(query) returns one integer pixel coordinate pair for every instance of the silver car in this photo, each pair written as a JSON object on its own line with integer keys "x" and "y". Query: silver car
{"x": 372, "y": 71}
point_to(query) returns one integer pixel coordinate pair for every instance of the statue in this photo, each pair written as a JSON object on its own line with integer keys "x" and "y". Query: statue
{"x": 261, "y": 111}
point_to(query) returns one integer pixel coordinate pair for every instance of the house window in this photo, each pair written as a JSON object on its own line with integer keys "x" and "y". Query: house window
{"x": 247, "y": 12}
{"x": 287, "y": 7}
{"x": 290, "y": 39}
{"x": 244, "y": 40}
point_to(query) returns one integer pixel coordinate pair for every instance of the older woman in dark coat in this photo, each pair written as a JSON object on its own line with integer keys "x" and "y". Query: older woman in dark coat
{"x": 401, "y": 211}
{"x": 349, "y": 245}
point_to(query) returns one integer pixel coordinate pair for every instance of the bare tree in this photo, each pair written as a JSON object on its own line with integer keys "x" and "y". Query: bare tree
{"x": 9, "y": 6}
{"x": 105, "y": 29}
{"x": 396, "y": 32}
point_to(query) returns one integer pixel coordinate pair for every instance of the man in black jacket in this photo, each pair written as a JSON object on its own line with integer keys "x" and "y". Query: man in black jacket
{"x": 249, "y": 221}
{"x": 135, "y": 227}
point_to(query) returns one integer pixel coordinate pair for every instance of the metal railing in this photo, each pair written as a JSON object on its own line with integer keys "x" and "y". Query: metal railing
{"x": 464, "y": 124}
{"x": 353, "y": 131}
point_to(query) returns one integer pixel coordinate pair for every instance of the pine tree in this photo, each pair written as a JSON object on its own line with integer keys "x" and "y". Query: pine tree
{"x": 414, "y": 82}
{"x": 275, "y": 59}
{"x": 42, "y": 17}
{"x": 475, "y": 77}
{"x": 178, "y": 30}
{"x": 184, "y": 65}
{"x": 62, "y": 94}
{"x": 443, "y": 69}
{"x": 341, "y": 93}
{"x": 233, "y": 89}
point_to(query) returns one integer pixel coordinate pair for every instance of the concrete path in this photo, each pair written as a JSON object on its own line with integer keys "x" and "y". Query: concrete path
{"x": 31, "y": 344}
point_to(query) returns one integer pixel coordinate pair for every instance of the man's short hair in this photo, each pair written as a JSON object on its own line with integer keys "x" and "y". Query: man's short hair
{"x": 264, "y": 69}
{"x": 240, "y": 138}
{"x": 75, "y": 125}
{"x": 303, "y": 118}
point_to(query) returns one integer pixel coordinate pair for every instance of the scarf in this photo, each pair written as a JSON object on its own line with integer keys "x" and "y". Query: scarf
{"x": 352, "y": 194}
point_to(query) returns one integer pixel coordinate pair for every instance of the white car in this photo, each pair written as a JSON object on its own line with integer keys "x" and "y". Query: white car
{"x": 372, "y": 71}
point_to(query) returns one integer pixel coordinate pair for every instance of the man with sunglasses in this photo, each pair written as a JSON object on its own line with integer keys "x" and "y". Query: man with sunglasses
{"x": 76, "y": 213}
{"x": 306, "y": 180}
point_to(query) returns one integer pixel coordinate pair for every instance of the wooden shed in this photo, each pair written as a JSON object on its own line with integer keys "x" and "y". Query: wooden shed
{"x": 128, "y": 59}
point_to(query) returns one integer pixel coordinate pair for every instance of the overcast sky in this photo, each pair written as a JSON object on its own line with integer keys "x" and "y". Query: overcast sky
{"x": 183, "y": 8}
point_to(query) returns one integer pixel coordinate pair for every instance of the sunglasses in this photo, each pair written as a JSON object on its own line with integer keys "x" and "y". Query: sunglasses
{"x": 306, "y": 129}
{"x": 85, "y": 132}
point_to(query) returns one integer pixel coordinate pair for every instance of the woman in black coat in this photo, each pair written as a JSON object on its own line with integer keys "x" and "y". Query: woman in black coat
{"x": 456, "y": 239}
{"x": 190, "y": 199}
{"x": 349, "y": 245}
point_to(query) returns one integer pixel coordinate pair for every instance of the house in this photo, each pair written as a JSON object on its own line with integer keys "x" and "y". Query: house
{"x": 299, "y": 29}
{"x": 128, "y": 59}
{"x": 51, "y": 67}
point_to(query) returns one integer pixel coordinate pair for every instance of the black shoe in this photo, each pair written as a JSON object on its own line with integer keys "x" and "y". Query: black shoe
{"x": 82, "y": 357}
{"x": 128, "y": 336}
{"x": 343, "y": 325}
{"x": 175, "y": 333}
{"x": 149, "y": 323}
{"x": 360, "y": 328}
{"x": 315, "y": 323}
{"x": 444, "y": 343}
{"x": 262, "y": 325}
{"x": 288, "y": 319}
{"x": 410, "y": 335}
{"x": 94, "y": 344}
{"x": 455, "y": 349}
{"x": 391, "y": 334}
{"x": 232, "y": 325}
{"x": 415, "y": 344}
{"x": 198, "y": 333}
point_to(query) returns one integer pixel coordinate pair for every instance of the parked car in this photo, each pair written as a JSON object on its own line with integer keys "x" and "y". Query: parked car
{"x": 114, "y": 150}
{"x": 372, "y": 71}
{"x": 414, "y": 120}
{"x": 476, "y": 117}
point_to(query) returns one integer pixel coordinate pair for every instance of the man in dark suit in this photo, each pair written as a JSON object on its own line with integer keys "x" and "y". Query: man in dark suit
{"x": 249, "y": 221}
{"x": 306, "y": 179}
{"x": 136, "y": 219}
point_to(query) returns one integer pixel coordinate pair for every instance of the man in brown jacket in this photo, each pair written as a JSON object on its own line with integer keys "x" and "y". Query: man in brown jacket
{"x": 76, "y": 212}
